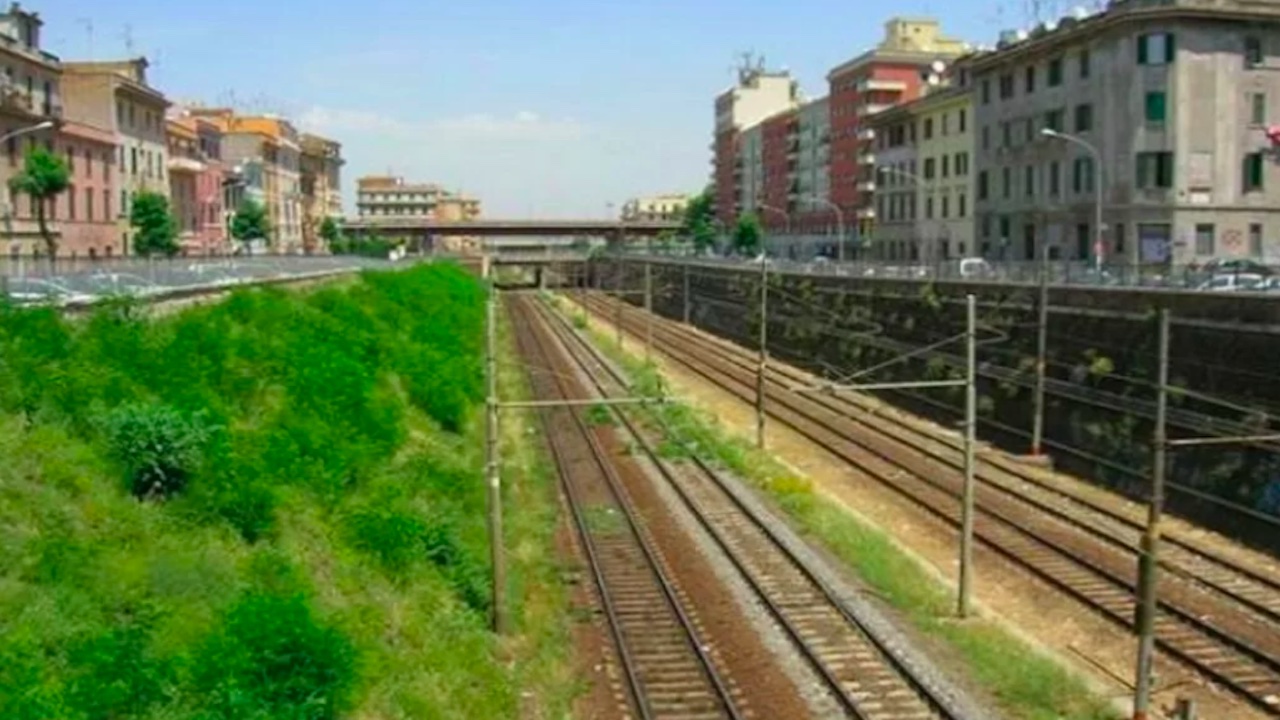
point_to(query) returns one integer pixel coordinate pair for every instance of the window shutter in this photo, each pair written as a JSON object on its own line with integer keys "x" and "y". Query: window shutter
{"x": 1168, "y": 47}
{"x": 1142, "y": 49}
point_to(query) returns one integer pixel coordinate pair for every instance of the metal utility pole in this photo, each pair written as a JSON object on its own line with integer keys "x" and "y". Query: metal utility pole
{"x": 764, "y": 350}
{"x": 687, "y": 302}
{"x": 970, "y": 442}
{"x": 1042, "y": 352}
{"x": 648, "y": 310}
{"x": 1148, "y": 566}
{"x": 617, "y": 310}
{"x": 492, "y": 458}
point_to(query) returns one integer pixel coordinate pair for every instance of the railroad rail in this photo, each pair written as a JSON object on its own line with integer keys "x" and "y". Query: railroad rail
{"x": 1216, "y": 615}
{"x": 667, "y": 671}
{"x": 858, "y": 660}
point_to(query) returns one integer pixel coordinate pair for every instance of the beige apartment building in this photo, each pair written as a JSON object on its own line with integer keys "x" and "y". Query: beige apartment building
{"x": 1174, "y": 96}
{"x": 390, "y": 196}
{"x": 115, "y": 95}
{"x": 923, "y": 191}
{"x": 321, "y": 186}
{"x": 658, "y": 207}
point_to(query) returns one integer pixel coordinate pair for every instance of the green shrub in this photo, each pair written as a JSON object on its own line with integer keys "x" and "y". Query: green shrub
{"x": 115, "y": 674}
{"x": 272, "y": 659}
{"x": 159, "y": 446}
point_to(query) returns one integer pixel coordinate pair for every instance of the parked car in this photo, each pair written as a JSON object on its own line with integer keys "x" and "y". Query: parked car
{"x": 1236, "y": 266}
{"x": 39, "y": 291}
{"x": 1233, "y": 282}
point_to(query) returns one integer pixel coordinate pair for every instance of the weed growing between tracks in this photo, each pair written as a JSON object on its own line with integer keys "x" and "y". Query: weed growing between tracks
{"x": 303, "y": 537}
{"x": 1023, "y": 682}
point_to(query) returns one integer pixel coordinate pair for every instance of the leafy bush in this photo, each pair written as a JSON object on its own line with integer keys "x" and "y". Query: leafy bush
{"x": 160, "y": 447}
{"x": 271, "y": 658}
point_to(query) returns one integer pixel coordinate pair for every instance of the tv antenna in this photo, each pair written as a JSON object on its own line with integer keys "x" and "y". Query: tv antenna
{"x": 127, "y": 35}
{"x": 88, "y": 29}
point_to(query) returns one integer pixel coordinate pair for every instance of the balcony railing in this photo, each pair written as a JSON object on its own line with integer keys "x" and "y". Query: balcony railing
{"x": 881, "y": 85}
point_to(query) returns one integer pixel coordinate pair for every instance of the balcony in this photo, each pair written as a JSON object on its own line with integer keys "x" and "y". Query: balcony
{"x": 867, "y": 109}
{"x": 881, "y": 85}
{"x": 866, "y": 134}
{"x": 866, "y": 186}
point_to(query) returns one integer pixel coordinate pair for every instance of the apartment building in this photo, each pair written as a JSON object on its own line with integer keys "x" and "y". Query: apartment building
{"x": 388, "y": 196}
{"x": 243, "y": 181}
{"x": 84, "y": 212}
{"x": 30, "y": 94}
{"x": 808, "y": 154}
{"x": 115, "y": 96}
{"x": 923, "y": 189}
{"x": 658, "y": 207}
{"x": 321, "y": 185}
{"x": 758, "y": 94}
{"x": 195, "y": 185}
{"x": 894, "y": 71}
{"x": 1174, "y": 96}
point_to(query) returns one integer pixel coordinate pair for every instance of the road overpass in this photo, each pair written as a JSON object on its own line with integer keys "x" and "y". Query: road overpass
{"x": 430, "y": 227}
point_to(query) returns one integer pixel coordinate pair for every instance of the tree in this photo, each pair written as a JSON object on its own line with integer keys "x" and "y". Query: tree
{"x": 250, "y": 222}
{"x": 698, "y": 223}
{"x": 329, "y": 231}
{"x": 155, "y": 230}
{"x": 44, "y": 175}
{"x": 747, "y": 235}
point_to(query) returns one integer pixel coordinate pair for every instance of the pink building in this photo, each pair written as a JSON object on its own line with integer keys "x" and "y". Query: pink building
{"x": 85, "y": 212}
{"x": 195, "y": 185}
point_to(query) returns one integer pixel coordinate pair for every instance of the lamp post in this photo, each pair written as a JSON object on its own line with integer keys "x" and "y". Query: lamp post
{"x": 839, "y": 223}
{"x": 764, "y": 326}
{"x": 1097, "y": 187}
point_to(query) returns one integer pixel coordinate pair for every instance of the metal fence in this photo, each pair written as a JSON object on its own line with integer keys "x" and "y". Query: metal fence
{"x": 83, "y": 280}
{"x": 1074, "y": 273}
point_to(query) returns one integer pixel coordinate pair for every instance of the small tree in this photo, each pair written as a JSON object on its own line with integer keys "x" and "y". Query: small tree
{"x": 747, "y": 235}
{"x": 698, "y": 222}
{"x": 250, "y": 222}
{"x": 329, "y": 232}
{"x": 44, "y": 175}
{"x": 155, "y": 230}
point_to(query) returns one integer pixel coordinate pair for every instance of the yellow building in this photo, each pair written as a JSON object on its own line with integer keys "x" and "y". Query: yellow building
{"x": 658, "y": 207}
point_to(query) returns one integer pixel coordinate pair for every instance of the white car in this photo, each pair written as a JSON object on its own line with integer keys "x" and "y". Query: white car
{"x": 38, "y": 291}
{"x": 1232, "y": 282}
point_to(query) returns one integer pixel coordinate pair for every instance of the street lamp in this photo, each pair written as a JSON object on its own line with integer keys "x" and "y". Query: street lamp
{"x": 839, "y": 223}
{"x": 1097, "y": 186}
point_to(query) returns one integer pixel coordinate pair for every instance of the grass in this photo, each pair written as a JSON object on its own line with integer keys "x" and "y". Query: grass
{"x": 1023, "y": 682}
{"x": 317, "y": 550}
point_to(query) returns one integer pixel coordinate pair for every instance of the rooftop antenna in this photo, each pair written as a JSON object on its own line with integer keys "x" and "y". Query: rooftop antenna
{"x": 88, "y": 28}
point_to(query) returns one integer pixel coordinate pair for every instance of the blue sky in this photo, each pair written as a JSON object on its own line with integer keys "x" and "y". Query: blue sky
{"x": 544, "y": 109}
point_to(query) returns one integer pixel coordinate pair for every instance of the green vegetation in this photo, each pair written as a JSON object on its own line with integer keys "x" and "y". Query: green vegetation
{"x": 365, "y": 246}
{"x": 747, "y": 235}
{"x": 698, "y": 224}
{"x": 250, "y": 222}
{"x": 1024, "y": 683}
{"x": 43, "y": 177}
{"x": 270, "y": 507}
{"x": 329, "y": 231}
{"x": 155, "y": 230}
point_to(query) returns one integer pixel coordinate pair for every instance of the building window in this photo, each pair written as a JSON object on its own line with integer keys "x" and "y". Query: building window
{"x": 962, "y": 164}
{"x": 1006, "y": 181}
{"x": 1055, "y": 72}
{"x": 1053, "y": 119}
{"x": 946, "y": 206}
{"x": 928, "y": 208}
{"x": 106, "y": 204}
{"x": 1255, "y": 239}
{"x": 986, "y": 225}
{"x": 986, "y": 137}
{"x": 1055, "y": 178}
{"x": 71, "y": 202}
{"x": 124, "y": 203}
{"x": 120, "y": 115}
{"x": 946, "y": 166}
{"x": 1155, "y": 170}
{"x": 71, "y": 160}
{"x": 1253, "y": 165}
{"x": 1253, "y": 56}
{"x": 1006, "y": 86}
{"x": 946, "y": 122}
{"x": 1006, "y": 134}
{"x": 133, "y": 161}
{"x": 1155, "y": 48}
{"x": 962, "y": 121}
{"x": 928, "y": 128}
{"x": 986, "y": 92}
{"x": 1082, "y": 175}
{"x": 1082, "y": 241}
{"x": 88, "y": 204}
{"x": 1155, "y": 108}
{"x": 132, "y": 116}
{"x": 983, "y": 188}
{"x": 928, "y": 168}
{"x": 1030, "y": 129}
{"x": 1004, "y": 229}
{"x": 1084, "y": 118}
{"x": 1029, "y": 181}
{"x": 1084, "y": 64}
{"x": 1119, "y": 239}
{"x": 1204, "y": 239}
{"x": 961, "y": 205}
{"x": 1258, "y": 108}
{"x": 88, "y": 163}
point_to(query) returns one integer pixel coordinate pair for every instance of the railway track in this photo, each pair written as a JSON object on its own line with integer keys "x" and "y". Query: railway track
{"x": 865, "y": 670}
{"x": 1216, "y": 615}
{"x": 667, "y": 672}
